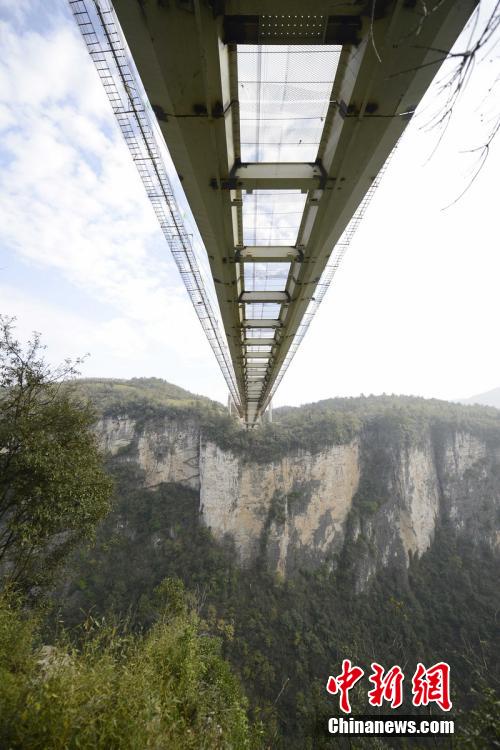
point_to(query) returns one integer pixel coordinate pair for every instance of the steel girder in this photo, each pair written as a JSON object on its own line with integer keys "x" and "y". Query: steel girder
{"x": 185, "y": 52}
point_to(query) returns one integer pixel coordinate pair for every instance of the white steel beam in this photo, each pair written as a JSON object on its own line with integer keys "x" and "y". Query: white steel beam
{"x": 259, "y": 342}
{"x": 264, "y": 296}
{"x": 268, "y": 254}
{"x": 262, "y": 323}
{"x": 288, "y": 7}
{"x": 171, "y": 47}
{"x": 279, "y": 176}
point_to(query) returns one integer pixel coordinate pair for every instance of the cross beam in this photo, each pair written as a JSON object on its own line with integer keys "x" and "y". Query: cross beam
{"x": 187, "y": 59}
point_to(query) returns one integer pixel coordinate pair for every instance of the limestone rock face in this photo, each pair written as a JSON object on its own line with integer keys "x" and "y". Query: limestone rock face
{"x": 408, "y": 512}
{"x": 166, "y": 450}
{"x": 307, "y": 508}
{"x": 296, "y": 507}
{"x": 470, "y": 482}
{"x": 116, "y": 433}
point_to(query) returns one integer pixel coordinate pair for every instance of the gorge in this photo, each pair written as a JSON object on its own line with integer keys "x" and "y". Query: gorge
{"x": 366, "y": 528}
{"x": 388, "y": 483}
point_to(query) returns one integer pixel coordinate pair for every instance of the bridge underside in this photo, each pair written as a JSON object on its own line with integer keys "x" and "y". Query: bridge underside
{"x": 278, "y": 122}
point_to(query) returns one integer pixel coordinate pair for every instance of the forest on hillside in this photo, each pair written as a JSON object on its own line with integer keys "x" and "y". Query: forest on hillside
{"x": 125, "y": 624}
{"x": 283, "y": 636}
{"x": 309, "y": 427}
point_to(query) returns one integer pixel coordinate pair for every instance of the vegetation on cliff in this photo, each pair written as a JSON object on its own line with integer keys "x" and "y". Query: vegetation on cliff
{"x": 115, "y": 396}
{"x": 287, "y": 635}
{"x": 405, "y": 418}
{"x": 161, "y": 678}
{"x": 168, "y": 689}
{"x": 311, "y": 427}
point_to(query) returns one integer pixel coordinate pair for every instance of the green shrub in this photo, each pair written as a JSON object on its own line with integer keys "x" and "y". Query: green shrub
{"x": 170, "y": 688}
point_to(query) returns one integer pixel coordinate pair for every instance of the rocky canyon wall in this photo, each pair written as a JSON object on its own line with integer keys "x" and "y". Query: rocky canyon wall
{"x": 382, "y": 497}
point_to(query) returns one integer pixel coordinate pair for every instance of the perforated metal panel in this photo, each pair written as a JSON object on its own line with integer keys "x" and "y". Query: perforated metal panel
{"x": 284, "y": 94}
{"x": 292, "y": 27}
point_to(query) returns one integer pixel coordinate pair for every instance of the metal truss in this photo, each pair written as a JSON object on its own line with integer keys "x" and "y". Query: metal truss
{"x": 107, "y": 49}
{"x": 278, "y": 169}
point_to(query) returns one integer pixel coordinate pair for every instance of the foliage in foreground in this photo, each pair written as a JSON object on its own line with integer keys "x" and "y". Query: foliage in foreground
{"x": 168, "y": 689}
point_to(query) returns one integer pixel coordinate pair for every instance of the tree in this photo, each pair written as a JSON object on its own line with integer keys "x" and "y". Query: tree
{"x": 53, "y": 488}
{"x": 480, "y": 42}
{"x": 481, "y": 726}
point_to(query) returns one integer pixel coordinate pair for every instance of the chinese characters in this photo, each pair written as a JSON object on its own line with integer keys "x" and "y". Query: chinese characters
{"x": 430, "y": 685}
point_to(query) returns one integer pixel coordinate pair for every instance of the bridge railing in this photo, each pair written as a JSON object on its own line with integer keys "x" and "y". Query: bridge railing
{"x": 107, "y": 48}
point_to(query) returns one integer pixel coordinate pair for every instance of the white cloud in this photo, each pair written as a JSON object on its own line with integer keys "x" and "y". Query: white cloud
{"x": 71, "y": 201}
{"x": 119, "y": 347}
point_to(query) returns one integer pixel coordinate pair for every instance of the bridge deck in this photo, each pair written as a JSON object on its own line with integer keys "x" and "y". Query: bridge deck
{"x": 278, "y": 123}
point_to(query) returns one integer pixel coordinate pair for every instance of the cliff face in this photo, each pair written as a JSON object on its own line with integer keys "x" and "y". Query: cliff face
{"x": 378, "y": 495}
{"x": 293, "y": 511}
{"x": 166, "y": 450}
{"x": 444, "y": 478}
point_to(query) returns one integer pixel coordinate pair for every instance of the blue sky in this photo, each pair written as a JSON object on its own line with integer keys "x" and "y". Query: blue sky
{"x": 413, "y": 309}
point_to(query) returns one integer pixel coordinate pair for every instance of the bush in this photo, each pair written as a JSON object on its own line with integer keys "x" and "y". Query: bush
{"x": 170, "y": 688}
